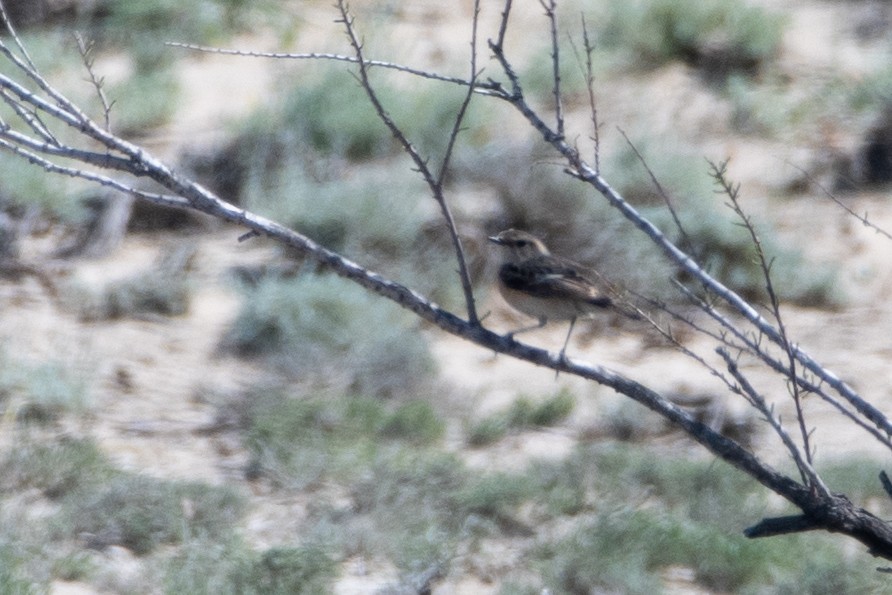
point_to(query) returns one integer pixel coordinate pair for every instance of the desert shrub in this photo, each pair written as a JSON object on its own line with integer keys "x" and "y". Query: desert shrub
{"x": 28, "y": 188}
{"x": 57, "y": 468}
{"x": 410, "y": 494}
{"x": 140, "y": 512}
{"x": 523, "y": 413}
{"x": 640, "y": 512}
{"x": 161, "y": 289}
{"x": 351, "y": 214}
{"x": 287, "y": 570}
{"x": 43, "y": 391}
{"x": 721, "y": 36}
{"x": 230, "y": 567}
{"x": 331, "y": 332}
{"x": 146, "y": 99}
{"x": 494, "y": 495}
{"x": 13, "y": 580}
{"x": 415, "y": 421}
{"x": 297, "y": 441}
{"x": 120, "y": 21}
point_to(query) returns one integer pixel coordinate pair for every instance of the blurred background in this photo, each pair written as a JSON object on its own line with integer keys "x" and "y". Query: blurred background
{"x": 186, "y": 413}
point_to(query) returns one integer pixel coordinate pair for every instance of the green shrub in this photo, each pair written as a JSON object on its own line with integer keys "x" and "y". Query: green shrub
{"x": 495, "y": 495}
{"x": 229, "y": 567}
{"x": 43, "y": 391}
{"x": 720, "y": 35}
{"x": 301, "y": 440}
{"x": 523, "y": 413}
{"x": 549, "y": 412}
{"x": 141, "y": 513}
{"x": 13, "y": 579}
{"x": 408, "y": 495}
{"x": 291, "y": 570}
{"x": 210, "y": 567}
{"x": 488, "y": 430}
{"x": 415, "y": 421}
{"x": 162, "y": 289}
{"x": 202, "y": 21}
{"x": 56, "y": 468}
{"x": 329, "y": 113}
{"x": 30, "y": 187}
{"x": 332, "y": 332}
{"x": 145, "y": 100}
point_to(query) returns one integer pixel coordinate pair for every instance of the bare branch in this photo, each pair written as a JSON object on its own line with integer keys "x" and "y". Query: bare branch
{"x": 590, "y": 86}
{"x": 86, "y": 52}
{"x": 685, "y": 238}
{"x": 476, "y": 84}
{"x": 72, "y": 172}
{"x": 809, "y": 475}
{"x": 503, "y": 24}
{"x": 550, "y": 7}
{"x": 732, "y": 191}
{"x": 434, "y": 183}
{"x": 862, "y": 218}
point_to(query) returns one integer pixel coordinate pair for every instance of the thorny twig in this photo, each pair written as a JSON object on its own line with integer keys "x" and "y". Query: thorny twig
{"x": 590, "y": 87}
{"x": 476, "y": 84}
{"x": 732, "y": 191}
{"x": 550, "y": 7}
{"x": 86, "y": 51}
{"x": 862, "y": 218}
{"x": 435, "y": 183}
{"x": 746, "y": 390}
{"x": 585, "y": 172}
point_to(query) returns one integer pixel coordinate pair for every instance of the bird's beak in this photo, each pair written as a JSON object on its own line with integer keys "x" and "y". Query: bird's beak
{"x": 496, "y": 240}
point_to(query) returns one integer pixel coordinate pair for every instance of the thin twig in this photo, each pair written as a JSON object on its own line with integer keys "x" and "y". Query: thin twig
{"x": 590, "y": 85}
{"x": 31, "y": 118}
{"x": 166, "y": 200}
{"x": 550, "y": 7}
{"x": 476, "y": 84}
{"x": 809, "y": 476}
{"x": 86, "y": 51}
{"x": 434, "y": 183}
{"x": 732, "y": 191}
{"x": 686, "y": 242}
{"x": 862, "y": 218}
{"x": 503, "y": 24}
{"x": 4, "y": 17}
{"x": 752, "y": 346}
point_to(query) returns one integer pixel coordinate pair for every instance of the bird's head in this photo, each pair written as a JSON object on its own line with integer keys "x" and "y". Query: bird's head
{"x": 521, "y": 245}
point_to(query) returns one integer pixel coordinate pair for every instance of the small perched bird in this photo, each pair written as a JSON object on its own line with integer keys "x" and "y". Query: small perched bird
{"x": 543, "y": 286}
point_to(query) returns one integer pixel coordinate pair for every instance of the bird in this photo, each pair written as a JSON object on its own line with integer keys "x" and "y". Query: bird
{"x": 547, "y": 287}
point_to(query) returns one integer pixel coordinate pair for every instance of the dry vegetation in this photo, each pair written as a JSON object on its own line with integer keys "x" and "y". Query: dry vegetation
{"x": 186, "y": 413}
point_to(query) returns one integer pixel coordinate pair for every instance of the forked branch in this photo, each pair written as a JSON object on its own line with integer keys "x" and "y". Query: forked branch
{"x": 434, "y": 182}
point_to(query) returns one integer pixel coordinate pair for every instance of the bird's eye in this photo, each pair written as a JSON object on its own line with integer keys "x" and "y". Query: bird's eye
{"x": 522, "y": 243}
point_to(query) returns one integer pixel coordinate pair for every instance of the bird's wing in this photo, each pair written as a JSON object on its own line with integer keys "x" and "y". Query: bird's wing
{"x": 549, "y": 277}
